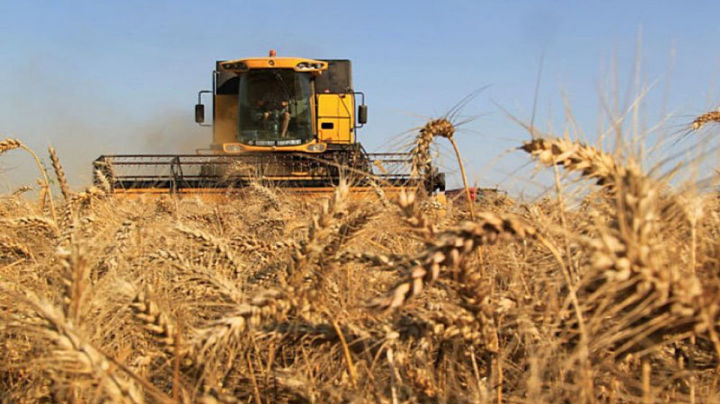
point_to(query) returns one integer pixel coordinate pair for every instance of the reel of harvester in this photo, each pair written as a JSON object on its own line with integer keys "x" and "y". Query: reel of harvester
{"x": 133, "y": 175}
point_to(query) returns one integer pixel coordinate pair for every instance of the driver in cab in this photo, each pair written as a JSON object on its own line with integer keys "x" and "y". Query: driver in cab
{"x": 273, "y": 111}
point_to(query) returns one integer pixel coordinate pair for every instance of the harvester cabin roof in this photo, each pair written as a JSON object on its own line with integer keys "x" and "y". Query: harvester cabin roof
{"x": 298, "y": 64}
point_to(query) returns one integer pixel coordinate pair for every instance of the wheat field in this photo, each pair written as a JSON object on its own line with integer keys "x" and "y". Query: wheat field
{"x": 610, "y": 295}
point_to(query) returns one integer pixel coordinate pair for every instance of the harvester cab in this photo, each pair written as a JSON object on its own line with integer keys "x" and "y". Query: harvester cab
{"x": 285, "y": 121}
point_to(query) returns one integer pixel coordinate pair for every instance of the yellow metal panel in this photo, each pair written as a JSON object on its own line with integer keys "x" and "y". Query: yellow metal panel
{"x": 337, "y": 111}
{"x": 223, "y": 195}
{"x": 226, "y": 115}
{"x": 235, "y": 147}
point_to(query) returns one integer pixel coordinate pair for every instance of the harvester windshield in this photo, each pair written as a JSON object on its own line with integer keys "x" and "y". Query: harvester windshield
{"x": 274, "y": 108}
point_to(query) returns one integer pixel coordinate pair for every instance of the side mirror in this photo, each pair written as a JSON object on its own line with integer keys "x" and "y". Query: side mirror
{"x": 199, "y": 113}
{"x": 362, "y": 114}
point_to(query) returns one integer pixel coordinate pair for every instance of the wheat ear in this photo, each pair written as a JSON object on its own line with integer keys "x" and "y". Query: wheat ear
{"x": 60, "y": 174}
{"x": 154, "y": 321}
{"x": 421, "y": 158}
{"x": 627, "y": 258}
{"x": 269, "y": 303}
{"x": 319, "y": 228}
{"x": 71, "y": 346}
{"x": 266, "y": 193}
{"x": 208, "y": 241}
{"x": 103, "y": 181}
{"x": 21, "y": 190}
{"x": 450, "y": 251}
{"x": 589, "y": 161}
{"x": 702, "y": 120}
{"x": 10, "y": 144}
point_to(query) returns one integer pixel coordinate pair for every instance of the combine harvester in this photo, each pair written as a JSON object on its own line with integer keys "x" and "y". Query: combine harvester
{"x": 286, "y": 122}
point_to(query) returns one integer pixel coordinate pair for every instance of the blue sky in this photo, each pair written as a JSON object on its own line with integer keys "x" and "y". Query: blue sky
{"x": 93, "y": 77}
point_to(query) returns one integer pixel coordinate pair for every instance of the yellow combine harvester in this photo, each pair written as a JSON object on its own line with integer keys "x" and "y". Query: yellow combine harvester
{"x": 284, "y": 121}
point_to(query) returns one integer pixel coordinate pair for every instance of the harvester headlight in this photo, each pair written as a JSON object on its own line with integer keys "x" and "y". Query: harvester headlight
{"x": 232, "y": 148}
{"x": 317, "y": 147}
{"x": 235, "y": 66}
{"x": 304, "y": 66}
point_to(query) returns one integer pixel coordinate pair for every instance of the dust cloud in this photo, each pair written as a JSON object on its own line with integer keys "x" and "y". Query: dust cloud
{"x": 44, "y": 108}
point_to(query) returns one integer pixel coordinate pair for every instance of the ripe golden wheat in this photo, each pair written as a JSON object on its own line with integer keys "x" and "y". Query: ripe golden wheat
{"x": 377, "y": 300}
